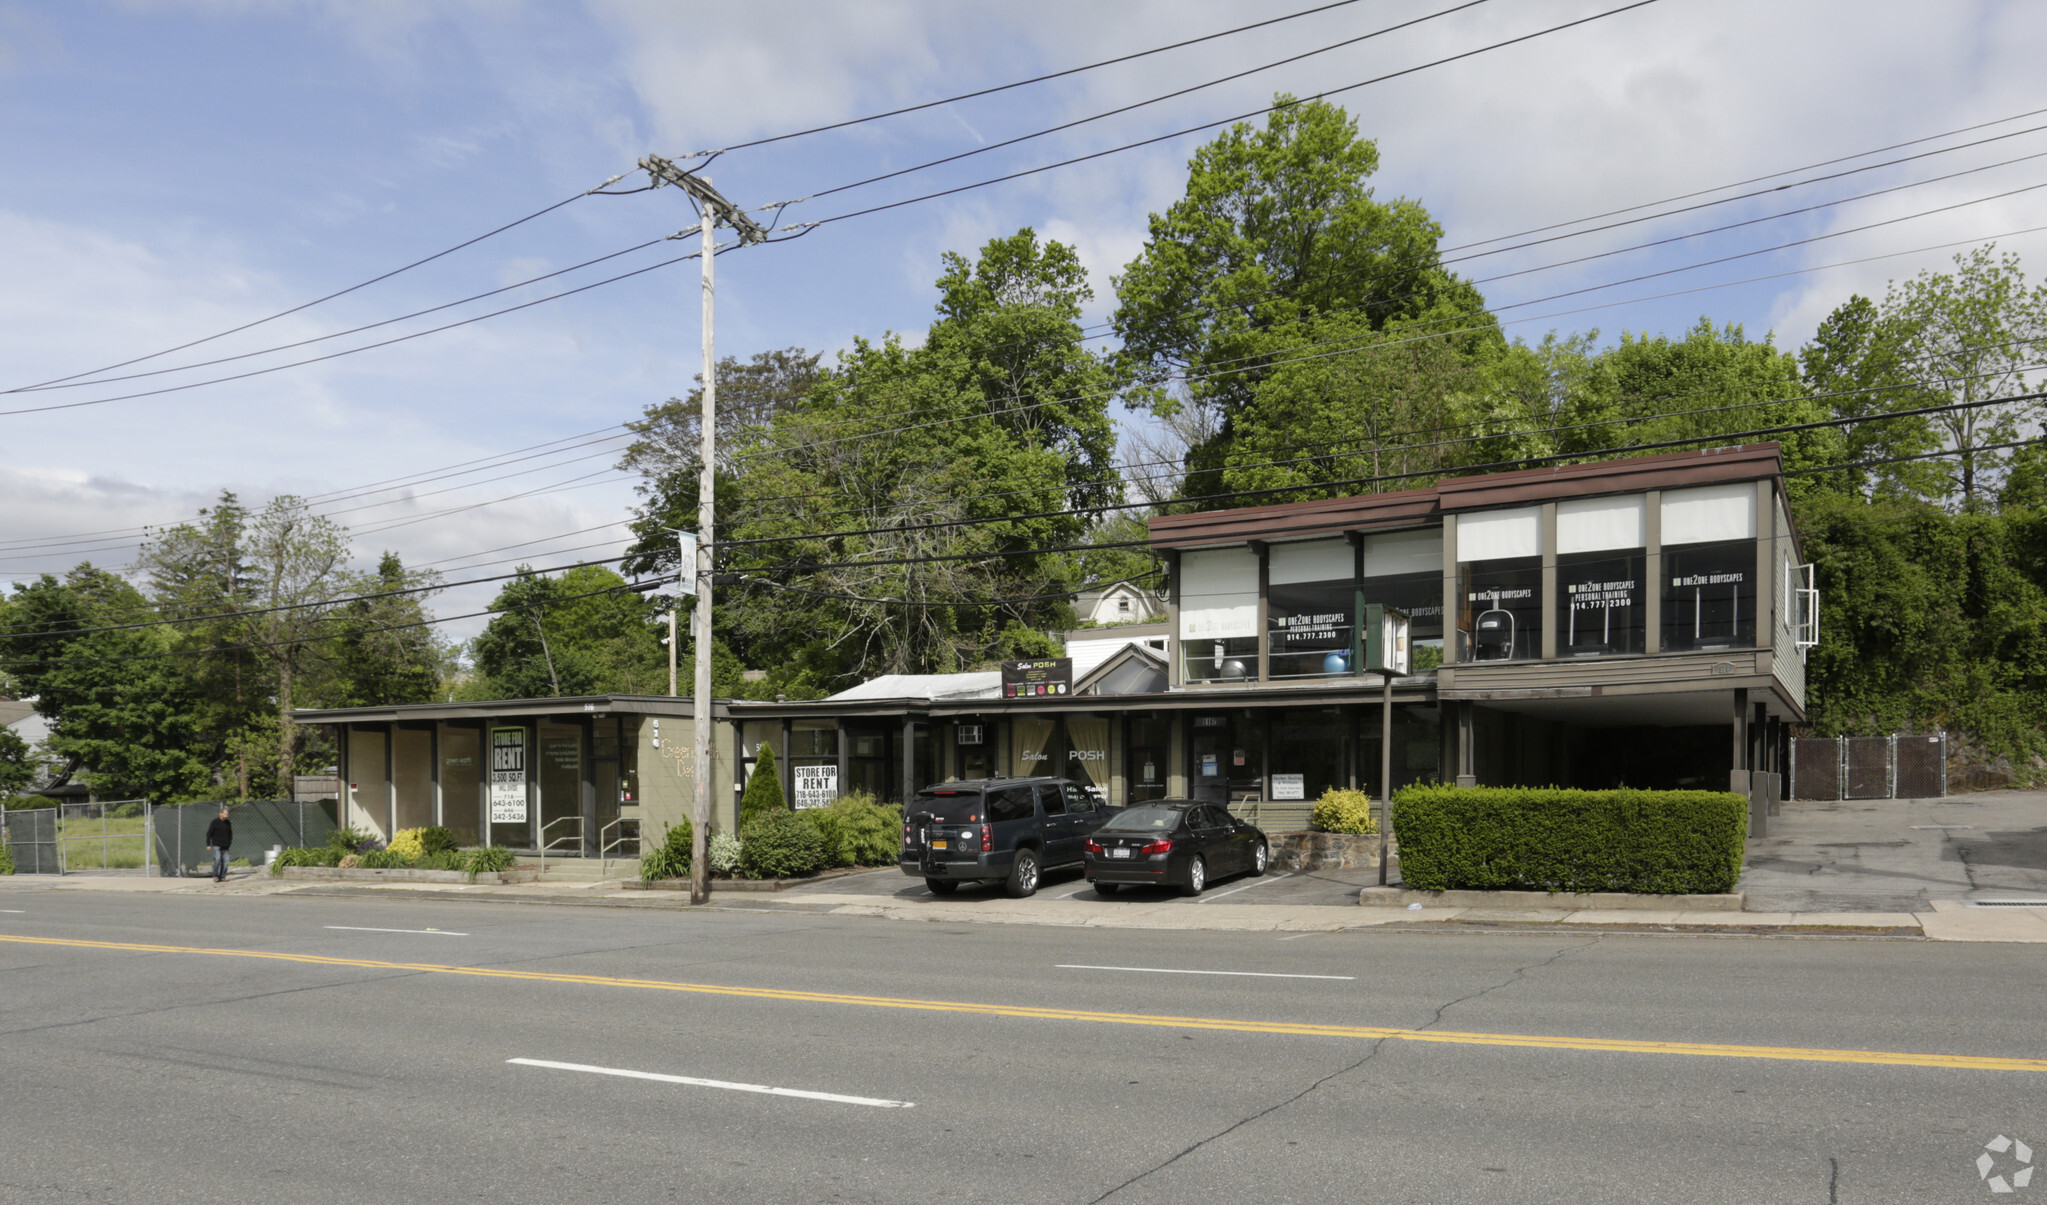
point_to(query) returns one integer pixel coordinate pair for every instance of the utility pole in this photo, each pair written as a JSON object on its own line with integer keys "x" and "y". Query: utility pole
{"x": 713, "y": 208}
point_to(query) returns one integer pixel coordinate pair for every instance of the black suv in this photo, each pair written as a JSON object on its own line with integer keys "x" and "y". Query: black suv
{"x": 1006, "y": 830}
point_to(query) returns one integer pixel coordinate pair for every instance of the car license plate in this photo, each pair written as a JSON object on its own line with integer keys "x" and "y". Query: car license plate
{"x": 1121, "y": 851}
{"x": 938, "y": 845}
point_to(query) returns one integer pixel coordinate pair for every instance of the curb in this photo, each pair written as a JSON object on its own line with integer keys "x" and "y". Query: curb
{"x": 1549, "y": 901}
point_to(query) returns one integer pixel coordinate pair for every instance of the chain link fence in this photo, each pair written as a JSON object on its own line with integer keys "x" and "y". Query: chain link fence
{"x": 179, "y": 832}
{"x": 31, "y": 836}
{"x": 1869, "y": 767}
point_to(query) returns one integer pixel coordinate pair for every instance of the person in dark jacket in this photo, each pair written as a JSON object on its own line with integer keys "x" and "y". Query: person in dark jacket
{"x": 220, "y": 835}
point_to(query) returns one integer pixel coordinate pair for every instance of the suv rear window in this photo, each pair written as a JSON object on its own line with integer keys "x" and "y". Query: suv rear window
{"x": 955, "y": 807}
{"x": 1013, "y": 803}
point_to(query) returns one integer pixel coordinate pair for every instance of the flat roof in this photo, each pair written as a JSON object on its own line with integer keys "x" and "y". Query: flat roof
{"x": 1519, "y": 487}
{"x": 489, "y": 709}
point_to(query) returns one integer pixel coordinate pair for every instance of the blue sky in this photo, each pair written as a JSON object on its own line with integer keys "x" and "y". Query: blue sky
{"x": 174, "y": 169}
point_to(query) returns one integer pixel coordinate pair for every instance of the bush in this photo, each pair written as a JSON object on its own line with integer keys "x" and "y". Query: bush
{"x": 782, "y": 845}
{"x": 406, "y": 843}
{"x": 490, "y": 859}
{"x": 353, "y": 840}
{"x": 723, "y": 854}
{"x": 857, "y": 831}
{"x": 6, "y": 860}
{"x": 763, "y": 790}
{"x": 437, "y": 840}
{"x": 392, "y": 858}
{"x": 1551, "y": 839}
{"x": 1340, "y": 811}
{"x": 349, "y": 861}
{"x": 671, "y": 859}
{"x": 325, "y": 856}
{"x": 442, "y": 859}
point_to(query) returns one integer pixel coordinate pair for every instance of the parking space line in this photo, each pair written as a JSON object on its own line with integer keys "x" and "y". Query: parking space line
{"x": 1272, "y": 878}
{"x": 1075, "y": 966}
{"x": 368, "y": 929}
{"x": 693, "y": 1082}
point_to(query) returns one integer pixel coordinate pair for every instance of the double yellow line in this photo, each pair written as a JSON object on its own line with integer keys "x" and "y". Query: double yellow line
{"x": 1881, "y": 1058}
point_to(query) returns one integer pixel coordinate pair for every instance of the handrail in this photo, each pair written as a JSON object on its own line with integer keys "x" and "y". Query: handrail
{"x": 605, "y": 847}
{"x": 546, "y": 844}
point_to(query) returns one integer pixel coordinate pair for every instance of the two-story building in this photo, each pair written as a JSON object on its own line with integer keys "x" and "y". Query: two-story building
{"x": 1638, "y": 622}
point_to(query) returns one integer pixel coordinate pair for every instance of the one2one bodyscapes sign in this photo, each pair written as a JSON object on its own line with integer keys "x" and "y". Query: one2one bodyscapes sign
{"x": 1036, "y": 679}
{"x": 508, "y": 776}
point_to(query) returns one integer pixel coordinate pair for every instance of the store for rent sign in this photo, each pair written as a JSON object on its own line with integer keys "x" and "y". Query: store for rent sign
{"x": 508, "y": 776}
{"x": 816, "y": 786}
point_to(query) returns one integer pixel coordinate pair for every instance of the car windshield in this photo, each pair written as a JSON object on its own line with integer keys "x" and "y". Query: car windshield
{"x": 1145, "y": 820}
{"x": 957, "y": 807}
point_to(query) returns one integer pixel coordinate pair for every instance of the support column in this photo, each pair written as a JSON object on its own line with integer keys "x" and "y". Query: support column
{"x": 1547, "y": 537}
{"x": 845, "y": 761}
{"x": 909, "y": 759}
{"x": 786, "y": 768}
{"x": 1467, "y": 764}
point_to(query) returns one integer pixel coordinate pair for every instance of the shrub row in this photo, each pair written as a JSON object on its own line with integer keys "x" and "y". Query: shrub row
{"x": 776, "y": 843}
{"x": 342, "y": 853}
{"x": 1552, "y": 839}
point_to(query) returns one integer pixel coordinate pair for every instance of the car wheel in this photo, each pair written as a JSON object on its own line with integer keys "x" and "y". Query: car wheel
{"x": 1023, "y": 874}
{"x": 1197, "y": 877}
{"x": 1105, "y": 888}
{"x": 942, "y": 886}
{"x": 1258, "y": 859}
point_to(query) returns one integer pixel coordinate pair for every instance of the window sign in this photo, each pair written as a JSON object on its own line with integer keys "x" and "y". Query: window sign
{"x": 1209, "y": 766}
{"x": 1599, "y": 604}
{"x": 1500, "y": 609}
{"x": 508, "y": 776}
{"x": 816, "y": 786}
{"x": 1709, "y": 596}
{"x": 1289, "y": 786}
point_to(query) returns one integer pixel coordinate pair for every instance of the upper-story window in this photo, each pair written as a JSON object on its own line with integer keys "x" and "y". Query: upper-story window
{"x": 1404, "y": 569}
{"x": 1601, "y": 552}
{"x": 1310, "y": 601}
{"x": 1709, "y": 567}
{"x": 1218, "y": 591}
{"x": 1499, "y": 585}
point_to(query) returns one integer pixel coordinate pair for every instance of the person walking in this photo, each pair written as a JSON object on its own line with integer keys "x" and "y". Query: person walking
{"x": 220, "y": 835}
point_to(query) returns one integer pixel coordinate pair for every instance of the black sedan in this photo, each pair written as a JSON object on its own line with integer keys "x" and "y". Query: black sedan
{"x": 1172, "y": 841}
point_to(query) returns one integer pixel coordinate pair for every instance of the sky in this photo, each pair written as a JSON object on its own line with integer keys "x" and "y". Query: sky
{"x": 174, "y": 169}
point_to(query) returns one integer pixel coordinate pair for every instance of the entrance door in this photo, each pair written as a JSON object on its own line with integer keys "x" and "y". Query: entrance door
{"x": 561, "y": 826}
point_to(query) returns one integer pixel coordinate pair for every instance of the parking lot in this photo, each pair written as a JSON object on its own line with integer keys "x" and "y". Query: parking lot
{"x": 1274, "y": 887}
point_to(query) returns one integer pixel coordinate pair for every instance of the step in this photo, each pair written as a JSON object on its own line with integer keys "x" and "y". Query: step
{"x": 589, "y": 870}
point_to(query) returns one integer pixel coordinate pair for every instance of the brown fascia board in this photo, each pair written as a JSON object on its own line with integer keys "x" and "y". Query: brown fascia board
{"x": 1671, "y": 470}
{"x": 484, "y": 709}
{"x": 1406, "y": 508}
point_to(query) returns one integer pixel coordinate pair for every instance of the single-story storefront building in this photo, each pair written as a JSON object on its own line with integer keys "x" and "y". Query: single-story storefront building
{"x": 1640, "y": 622}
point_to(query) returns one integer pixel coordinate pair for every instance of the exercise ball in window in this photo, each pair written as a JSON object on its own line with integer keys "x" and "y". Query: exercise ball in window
{"x": 1234, "y": 668}
{"x": 1336, "y": 663}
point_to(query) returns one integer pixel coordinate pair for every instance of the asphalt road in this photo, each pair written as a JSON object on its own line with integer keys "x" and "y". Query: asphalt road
{"x": 1037, "y": 1064}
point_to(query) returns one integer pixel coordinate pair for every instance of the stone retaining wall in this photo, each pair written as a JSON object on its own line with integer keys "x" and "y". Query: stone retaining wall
{"x": 359, "y": 874}
{"x": 1322, "y": 851}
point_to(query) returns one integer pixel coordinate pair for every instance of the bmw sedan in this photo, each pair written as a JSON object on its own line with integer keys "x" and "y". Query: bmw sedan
{"x": 1177, "y": 842}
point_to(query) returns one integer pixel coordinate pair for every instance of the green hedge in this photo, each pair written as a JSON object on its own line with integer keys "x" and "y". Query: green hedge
{"x": 1552, "y": 839}
{"x": 782, "y": 845}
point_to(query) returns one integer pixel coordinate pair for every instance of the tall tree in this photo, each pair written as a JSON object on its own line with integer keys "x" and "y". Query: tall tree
{"x": 751, "y": 393}
{"x": 1969, "y": 336}
{"x": 296, "y": 562}
{"x": 1279, "y": 229}
{"x": 582, "y": 633}
{"x": 387, "y": 652}
{"x": 1854, "y": 366}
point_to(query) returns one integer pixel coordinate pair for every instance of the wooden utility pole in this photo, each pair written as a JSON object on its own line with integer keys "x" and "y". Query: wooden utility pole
{"x": 713, "y": 208}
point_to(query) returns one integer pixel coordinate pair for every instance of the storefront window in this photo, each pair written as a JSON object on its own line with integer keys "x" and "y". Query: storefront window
{"x": 1404, "y": 570}
{"x": 873, "y": 764}
{"x": 1033, "y": 741}
{"x": 1087, "y": 753}
{"x": 1308, "y": 749}
{"x": 1311, "y": 590}
{"x": 1147, "y": 744}
{"x": 1600, "y": 557}
{"x": 1709, "y": 596}
{"x": 561, "y": 788}
{"x": 412, "y": 776}
{"x": 974, "y": 748}
{"x": 461, "y": 782}
{"x": 814, "y": 763}
{"x": 1218, "y": 597}
{"x": 1499, "y": 585}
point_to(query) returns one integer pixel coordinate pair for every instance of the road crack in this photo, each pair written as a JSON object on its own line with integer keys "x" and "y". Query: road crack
{"x": 1378, "y": 1044}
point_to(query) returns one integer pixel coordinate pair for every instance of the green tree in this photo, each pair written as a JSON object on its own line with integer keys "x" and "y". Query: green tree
{"x": 1854, "y": 366}
{"x": 17, "y": 762}
{"x": 1000, "y": 419}
{"x": 763, "y": 788}
{"x": 1278, "y": 234}
{"x": 1969, "y": 336}
{"x": 582, "y": 633}
{"x": 751, "y": 393}
{"x": 387, "y": 653}
{"x": 119, "y": 706}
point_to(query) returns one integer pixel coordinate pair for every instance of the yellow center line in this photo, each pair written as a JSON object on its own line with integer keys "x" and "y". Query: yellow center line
{"x": 1882, "y": 1058}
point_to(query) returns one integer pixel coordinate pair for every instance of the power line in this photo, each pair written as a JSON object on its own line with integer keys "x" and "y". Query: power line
{"x": 1036, "y": 79}
{"x": 331, "y": 296}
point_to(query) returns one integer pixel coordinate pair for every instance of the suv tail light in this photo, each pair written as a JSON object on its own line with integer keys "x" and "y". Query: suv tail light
{"x": 987, "y": 836}
{"x": 1094, "y": 846}
{"x": 909, "y": 835}
{"x": 1157, "y": 847}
